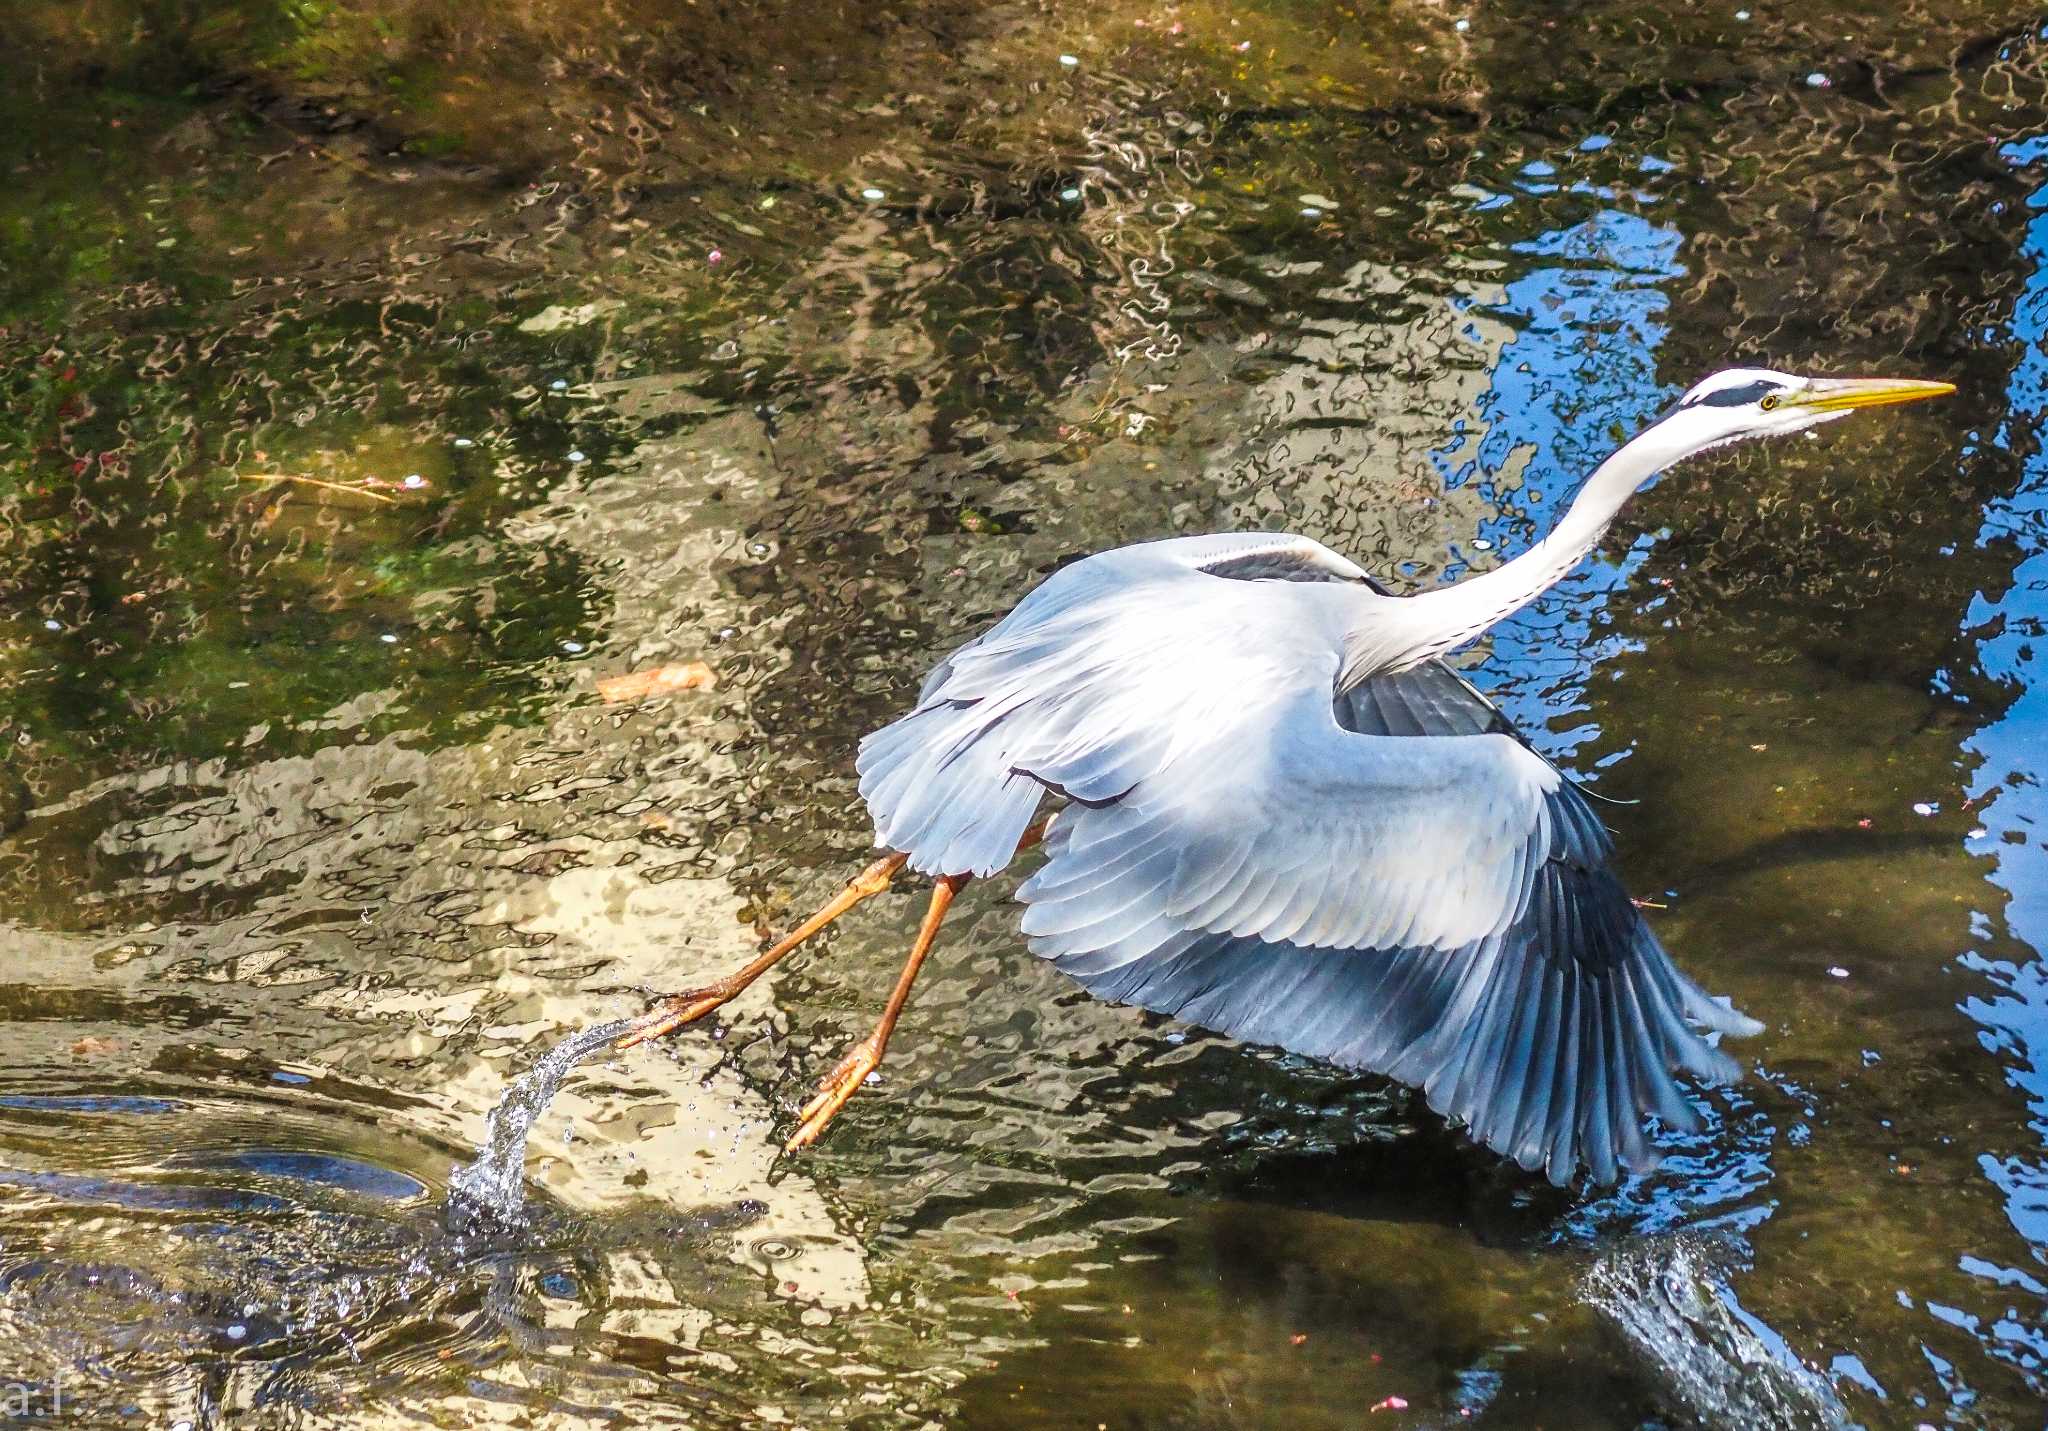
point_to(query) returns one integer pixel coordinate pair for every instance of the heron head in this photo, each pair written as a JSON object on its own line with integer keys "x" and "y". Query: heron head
{"x": 1741, "y": 403}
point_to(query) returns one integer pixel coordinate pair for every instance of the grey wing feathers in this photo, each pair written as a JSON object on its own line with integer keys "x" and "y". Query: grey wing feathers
{"x": 1387, "y": 877}
{"x": 1264, "y": 556}
{"x": 1550, "y": 1040}
{"x": 1065, "y": 693}
{"x": 1430, "y": 699}
{"x": 1551, "y": 1036}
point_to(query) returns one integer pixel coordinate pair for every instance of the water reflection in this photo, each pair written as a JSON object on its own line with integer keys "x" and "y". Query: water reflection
{"x": 2006, "y": 787}
{"x": 1582, "y": 368}
{"x": 290, "y": 906}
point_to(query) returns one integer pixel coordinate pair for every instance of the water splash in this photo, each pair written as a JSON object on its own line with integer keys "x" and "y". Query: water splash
{"x": 1717, "y": 1361}
{"x": 492, "y": 1184}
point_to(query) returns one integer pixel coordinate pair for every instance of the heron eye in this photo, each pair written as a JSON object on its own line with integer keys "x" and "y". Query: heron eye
{"x": 1770, "y": 401}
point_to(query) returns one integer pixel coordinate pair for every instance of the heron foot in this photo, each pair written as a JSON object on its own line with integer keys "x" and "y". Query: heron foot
{"x": 837, "y": 1088}
{"x": 866, "y": 1056}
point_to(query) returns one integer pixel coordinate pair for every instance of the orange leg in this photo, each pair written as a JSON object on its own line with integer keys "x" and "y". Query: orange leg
{"x": 679, "y": 1009}
{"x": 866, "y": 1056}
{"x": 687, "y": 1007}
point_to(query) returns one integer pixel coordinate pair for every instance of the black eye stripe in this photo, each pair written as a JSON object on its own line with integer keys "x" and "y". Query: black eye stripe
{"x": 1735, "y": 397}
{"x": 1726, "y": 397}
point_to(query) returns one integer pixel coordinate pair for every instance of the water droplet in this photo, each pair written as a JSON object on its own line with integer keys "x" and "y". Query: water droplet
{"x": 873, "y": 196}
{"x": 560, "y": 385}
{"x": 1836, "y": 971}
{"x": 1742, "y": 14}
{"x": 1817, "y": 80}
{"x": 1309, "y": 211}
{"x": 1926, "y": 807}
{"x": 415, "y": 481}
{"x": 1462, "y": 26}
{"x": 576, "y": 455}
{"x": 53, "y": 625}
{"x": 237, "y": 1332}
{"x": 464, "y": 442}
{"x": 1069, "y": 60}
{"x": 1070, "y": 195}
{"x": 388, "y": 639}
{"x": 572, "y": 647}
{"x": 1481, "y": 544}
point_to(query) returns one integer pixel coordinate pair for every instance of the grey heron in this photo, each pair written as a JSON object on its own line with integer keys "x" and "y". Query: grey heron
{"x": 1289, "y": 820}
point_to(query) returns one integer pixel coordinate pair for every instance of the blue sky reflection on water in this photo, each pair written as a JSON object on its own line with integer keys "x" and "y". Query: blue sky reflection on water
{"x": 1582, "y": 369}
{"x": 2013, "y": 802}
{"x": 1587, "y": 306}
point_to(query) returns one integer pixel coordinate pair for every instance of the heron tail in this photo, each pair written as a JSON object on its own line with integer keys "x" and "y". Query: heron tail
{"x": 941, "y": 790}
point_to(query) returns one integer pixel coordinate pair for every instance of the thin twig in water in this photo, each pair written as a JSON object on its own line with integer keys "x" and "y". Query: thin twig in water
{"x": 314, "y": 482}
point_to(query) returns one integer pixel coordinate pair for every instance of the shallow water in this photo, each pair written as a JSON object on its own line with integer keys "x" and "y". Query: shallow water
{"x": 797, "y": 341}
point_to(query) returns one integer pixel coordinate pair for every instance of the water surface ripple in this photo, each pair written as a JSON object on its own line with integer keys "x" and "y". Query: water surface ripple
{"x": 378, "y": 381}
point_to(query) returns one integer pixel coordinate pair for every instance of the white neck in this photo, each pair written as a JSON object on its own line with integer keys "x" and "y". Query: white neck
{"x": 1401, "y": 632}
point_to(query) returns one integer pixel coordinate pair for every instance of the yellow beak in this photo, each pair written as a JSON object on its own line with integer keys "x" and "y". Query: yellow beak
{"x": 1841, "y": 394}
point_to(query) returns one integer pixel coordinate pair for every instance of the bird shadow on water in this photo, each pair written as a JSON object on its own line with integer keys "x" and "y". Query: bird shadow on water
{"x": 1362, "y": 1146}
{"x": 1279, "y": 1144}
{"x": 274, "y": 1273}
{"x": 1659, "y": 1255}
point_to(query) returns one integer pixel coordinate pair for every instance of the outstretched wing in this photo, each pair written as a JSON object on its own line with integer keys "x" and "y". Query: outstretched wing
{"x": 1437, "y": 908}
{"x": 1388, "y": 877}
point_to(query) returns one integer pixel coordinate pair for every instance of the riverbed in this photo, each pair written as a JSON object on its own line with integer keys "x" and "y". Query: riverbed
{"x": 381, "y": 383}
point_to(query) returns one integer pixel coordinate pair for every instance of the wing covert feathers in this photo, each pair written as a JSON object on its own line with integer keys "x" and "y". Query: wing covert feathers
{"x": 1387, "y": 877}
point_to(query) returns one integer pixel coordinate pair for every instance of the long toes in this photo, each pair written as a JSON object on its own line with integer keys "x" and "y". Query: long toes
{"x": 668, "y": 1016}
{"x": 817, "y": 1113}
{"x": 644, "y": 1032}
{"x": 806, "y": 1133}
{"x": 838, "y": 1086}
{"x": 833, "y": 1094}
